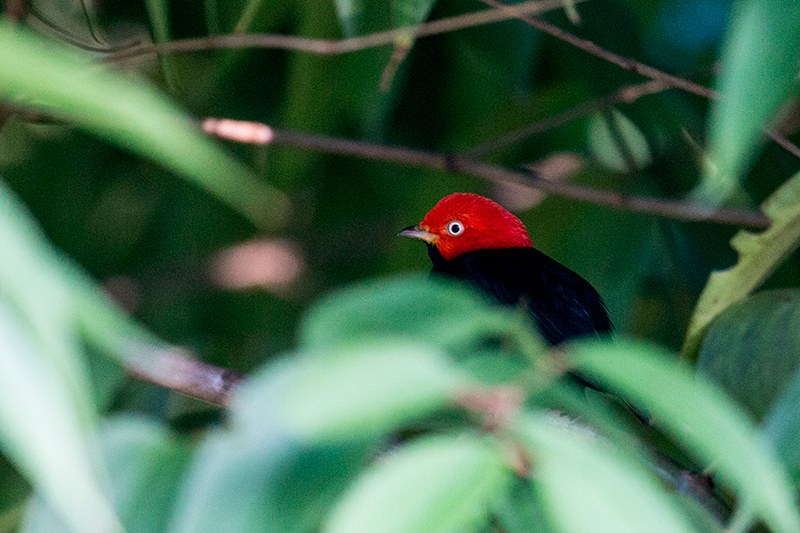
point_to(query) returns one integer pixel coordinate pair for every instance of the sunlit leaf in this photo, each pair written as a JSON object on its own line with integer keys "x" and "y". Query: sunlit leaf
{"x": 759, "y": 64}
{"x": 42, "y": 432}
{"x": 435, "y": 485}
{"x": 145, "y": 466}
{"x": 130, "y": 114}
{"x": 759, "y": 255}
{"x": 698, "y": 415}
{"x": 753, "y": 348}
{"x": 585, "y": 486}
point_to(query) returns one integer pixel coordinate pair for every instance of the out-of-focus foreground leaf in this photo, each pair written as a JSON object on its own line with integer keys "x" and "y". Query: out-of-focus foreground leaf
{"x": 42, "y": 432}
{"x": 705, "y": 421}
{"x": 586, "y": 486}
{"x": 759, "y": 255}
{"x": 145, "y": 465}
{"x": 439, "y": 484}
{"x": 134, "y": 116}
{"x": 371, "y": 389}
{"x": 753, "y": 348}
{"x": 759, "y": 70}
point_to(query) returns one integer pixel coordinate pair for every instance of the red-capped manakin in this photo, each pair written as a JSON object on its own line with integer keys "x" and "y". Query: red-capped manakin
{"x": 473, "y": 239}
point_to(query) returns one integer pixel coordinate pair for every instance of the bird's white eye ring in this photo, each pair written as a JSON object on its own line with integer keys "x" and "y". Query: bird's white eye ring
{"x": 455, "y": 228}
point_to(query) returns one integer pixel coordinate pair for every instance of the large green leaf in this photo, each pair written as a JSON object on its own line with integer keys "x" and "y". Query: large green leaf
{"x": 759, "y": 61}
{"x": 443, "y": 314}
{"x": 42, "y": 431}
{"x": 782, "y": 425}
{"x": 437, "y": 484}
{"x": 259, "y": 475}
{"x": 753, "y": 348}
{"x": 145, "y": 465}
{"x": 127, "y": 112}
{"x": 585, "y": 485}
{"x": 759, "y": 255}
{"x": 370, "y": 389}
{"x": 702, "y": 418}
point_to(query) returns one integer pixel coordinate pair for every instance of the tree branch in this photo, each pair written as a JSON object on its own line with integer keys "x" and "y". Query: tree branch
{"x": 255, "y": 133}
{"x": 334, "y": 47}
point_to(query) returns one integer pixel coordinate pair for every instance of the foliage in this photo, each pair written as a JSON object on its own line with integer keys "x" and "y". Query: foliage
{"x": 396, "y": 404}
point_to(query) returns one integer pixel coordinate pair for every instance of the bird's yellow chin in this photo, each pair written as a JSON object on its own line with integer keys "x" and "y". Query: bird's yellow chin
{"x": 418, "y": 232}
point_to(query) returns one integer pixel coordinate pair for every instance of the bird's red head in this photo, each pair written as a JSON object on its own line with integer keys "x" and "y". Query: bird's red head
{"x": 464, "y": 222}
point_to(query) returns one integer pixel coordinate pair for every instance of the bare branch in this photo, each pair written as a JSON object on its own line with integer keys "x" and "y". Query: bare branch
{"x": 334, "y": 47}
{"x": 627, "y": 95}
{"x": 255, "y": 133}
{"x": 176, "y": 370}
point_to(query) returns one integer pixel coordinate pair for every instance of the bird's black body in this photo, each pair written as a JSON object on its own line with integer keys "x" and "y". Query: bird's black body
{"x": 563, "y": 304}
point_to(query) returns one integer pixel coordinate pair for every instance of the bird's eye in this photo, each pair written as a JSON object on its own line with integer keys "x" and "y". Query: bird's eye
{"x": 455, "y": 228}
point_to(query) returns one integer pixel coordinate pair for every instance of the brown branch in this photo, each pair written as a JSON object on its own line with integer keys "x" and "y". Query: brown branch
{"x": 176, "y": 370}
{"x": 334, "y": 47}
{"x": 255, "y": 133}
{"x": 631, "y": 65}
{"x": 623, "y": 62}
{"x": 627, "y": 95}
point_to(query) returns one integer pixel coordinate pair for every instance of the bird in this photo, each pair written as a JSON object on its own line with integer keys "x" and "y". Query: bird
{"x": 473, "y": 239}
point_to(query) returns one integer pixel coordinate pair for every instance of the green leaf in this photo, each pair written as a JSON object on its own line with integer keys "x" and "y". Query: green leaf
{"x": 519, "y": 509}
{"x": 759, "y": 61}
{"x": 130, "y": 114}
{"x": 782, "y": 425}
{"x": 443, "y": 314}
{"x": 145, "y": 466}
{"x": 753, "y": 348}
{"x": 350, "y": 14}
{"x": 702, "y": 418}
{"x": 42, "y": 432}
{"x": 370, "y": 389}
{"x": 759, "y": 255}
{"x": 584, "y": 485}
{"x": 434, "y": 485}
{"x": 617, "y": 143}
{"x": 258, "y": 475}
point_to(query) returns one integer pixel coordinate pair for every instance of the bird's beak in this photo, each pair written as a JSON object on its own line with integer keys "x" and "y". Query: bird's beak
{"x": 418, "y": 233}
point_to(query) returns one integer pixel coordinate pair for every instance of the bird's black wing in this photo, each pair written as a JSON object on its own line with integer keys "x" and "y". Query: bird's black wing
{"x": 563, "y": 304}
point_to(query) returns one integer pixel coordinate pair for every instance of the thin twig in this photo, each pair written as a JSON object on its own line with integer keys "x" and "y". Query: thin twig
{"x": 631, "y": 65}
{"x": 623, "y": 62}
{"x": 255, "y": 133}
{"x": 627, "y": 95}
{"x": 334, "y": 47}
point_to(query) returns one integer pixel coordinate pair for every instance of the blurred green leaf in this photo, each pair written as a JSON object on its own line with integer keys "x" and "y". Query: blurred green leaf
{"x": 782, "y": 426}
{"x": 34, "y": 280}
{"x": 752, "y": 349}
{"x": 519, "y": 509}
{"x": 617, "y": 143}
{"x": 434, "y": 485}
{"x": 586, "y": 486}
{"x": 704, "y": 420}
{"x": 42, "y": 432}
{"x": 350, "y": 13}
{"x": 370, "y": 389}
{"x": 145, "y": 466}
{"x": 130, "y": 114}
{"x": 258, "y": 475}
{"x": 759, "y": 256}
{"x": 443, "y": 314}
{"x": 759, "y": 62}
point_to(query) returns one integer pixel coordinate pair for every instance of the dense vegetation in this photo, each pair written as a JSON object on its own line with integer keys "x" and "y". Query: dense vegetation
{"x": 212, "y": 326}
